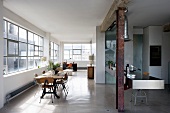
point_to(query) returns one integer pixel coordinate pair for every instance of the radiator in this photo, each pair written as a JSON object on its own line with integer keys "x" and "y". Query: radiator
{"x": 20, "y": 90}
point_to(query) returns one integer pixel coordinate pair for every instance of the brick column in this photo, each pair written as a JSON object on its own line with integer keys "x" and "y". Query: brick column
{"x": 120, "y": 59}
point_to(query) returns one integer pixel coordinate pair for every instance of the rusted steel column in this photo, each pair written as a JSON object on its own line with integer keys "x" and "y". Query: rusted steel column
{"x": 120, "y": 59}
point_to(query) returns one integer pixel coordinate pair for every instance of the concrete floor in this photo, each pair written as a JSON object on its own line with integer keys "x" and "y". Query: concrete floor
{"x": 86, "y": 97}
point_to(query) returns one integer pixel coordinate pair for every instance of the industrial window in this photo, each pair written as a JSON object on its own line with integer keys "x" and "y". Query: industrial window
{"x": 22, "y": 48}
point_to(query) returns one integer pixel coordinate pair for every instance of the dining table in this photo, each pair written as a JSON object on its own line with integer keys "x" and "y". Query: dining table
{"x": 55, "y": 77}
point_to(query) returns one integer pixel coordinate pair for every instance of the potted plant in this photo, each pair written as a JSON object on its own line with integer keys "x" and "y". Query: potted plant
{"x": 110, "y": 63}
{"x": 55, "y": 66}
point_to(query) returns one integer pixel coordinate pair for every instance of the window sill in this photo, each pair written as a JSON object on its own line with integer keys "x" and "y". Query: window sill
{"x": 20, "y": 72}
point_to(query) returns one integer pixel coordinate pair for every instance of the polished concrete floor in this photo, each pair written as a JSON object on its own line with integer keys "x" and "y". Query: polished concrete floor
{"x": 86, "y": 97}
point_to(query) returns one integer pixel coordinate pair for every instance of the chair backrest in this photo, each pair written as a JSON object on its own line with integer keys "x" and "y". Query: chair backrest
{"x": 35, "y": 75}
{"x": 65, "y": 76}
{"x": 145, "y": 75}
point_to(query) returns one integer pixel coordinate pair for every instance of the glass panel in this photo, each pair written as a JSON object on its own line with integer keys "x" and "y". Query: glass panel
{"x": 37, "y": 61}
{"x": 85, "y": 46}
{"x": 36, "y": 39}
{"x": 5, "y": 47}
{"x": 22, "y": 35}
{"x": 77, "y": 57}
{"x": 40, "y": 41}
{"x": 12, "y": 31}
{"x": 5, "y": 29}
{"x": 67, "y": 46}
{"x": 12, "y": 64}
{"x": 5, "y": 69}
{"x": 76, "y": 46}
{"x": 85, "y": 54}
{"x": 55, "y": 46}
{"x": 76, "y": 52}
{"x": 52, "y": 45}
{"x": 22, "y": 49}
{"x": 41, "y": 48}
{"x": 30, "y": 38}
{"x": 52, "y": 53}
{"x": 55, "y": 53}
{"x": 36, "y": 51}
{"x": 51, "y": 58}
{"x": 30, "y": 50}
{"x": 40, "y": 53}
{"x": 22, "y": 63}
{"x": 12, "y": 48}
{"x": 30, "y": 62}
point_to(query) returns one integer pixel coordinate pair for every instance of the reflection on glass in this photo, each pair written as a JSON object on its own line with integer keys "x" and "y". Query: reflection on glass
{"x": 22, "y": 35}
{"x": 30, "y": 38}
{"x": 30, "y": 62}
{"x": 22, "y": 63}
{"x": 12, "y": 48}
{"x": 12, "y": 31}
{"x": 22, "y": 49}
{"x": 12, "y": 64}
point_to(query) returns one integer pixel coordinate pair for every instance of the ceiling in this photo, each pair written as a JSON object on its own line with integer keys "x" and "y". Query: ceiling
{"x": 75, "y": 20}
{"x": 66, "y": 20}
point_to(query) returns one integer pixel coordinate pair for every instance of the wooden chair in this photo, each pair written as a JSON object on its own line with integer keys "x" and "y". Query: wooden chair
{"x": 46, "y": 83}
{"x": 64, "y": 84}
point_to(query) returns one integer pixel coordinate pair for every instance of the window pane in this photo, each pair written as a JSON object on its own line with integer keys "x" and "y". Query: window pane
{"x": 30, "y": 62}
{"x": 22, "y": 49}
{"x": 40, "y": 53}
{"x": 52, "y": 45}
{"x": 12, "y": 31}
{"x": 37, "y": 61}
{"x": 30, "y": 50}
{"x": 22, "y": 35}
{"x": 30, "y": 38}
{"x": 12, "y": 48}
{"x": 41, "y": 48}
{"x": 36, "y": 51}
{"x": 85, "y": 46}
{"x": 22, "y": 63}
{"x": 12, "y": 64}
{"x": 55, "y": 53}
{"x": 5, "y": 47}
{"x": 5, "y": 29}
{"x": 76, "y": 52}
{"x": 55, "y": 46}
{"x": 5, "y": 69}
{"x": 40, "y": 41}
{"x": 52, "y": 53}
{"x": 36, "y": 39}
{"x": 67, "y": 46}
{"x": 76, "y": 46}
{"x": 76, "y": 57}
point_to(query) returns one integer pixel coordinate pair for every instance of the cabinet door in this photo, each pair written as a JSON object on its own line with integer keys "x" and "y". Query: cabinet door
{"x": 91, "y": 72}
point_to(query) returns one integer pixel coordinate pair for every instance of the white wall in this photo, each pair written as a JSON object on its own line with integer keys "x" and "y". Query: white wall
{"x": 165, "y": 56}
{"x": 155, "y": 38}
{"x": 1, "y": 56}
{"x": 9, "y": 15}
{"x": 15, "y": 81}
{"x": 152, "y": 36}
{"x": 100, "y": 56}
{"x": 145, "y": 51}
